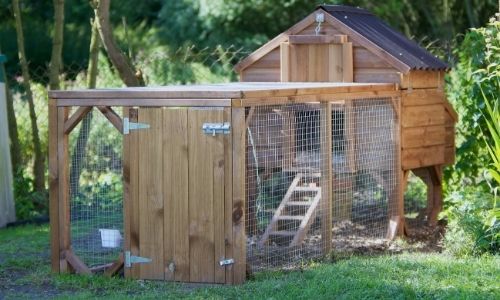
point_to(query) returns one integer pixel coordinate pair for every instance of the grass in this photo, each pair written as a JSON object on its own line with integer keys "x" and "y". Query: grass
{"x": 25, "y": 273}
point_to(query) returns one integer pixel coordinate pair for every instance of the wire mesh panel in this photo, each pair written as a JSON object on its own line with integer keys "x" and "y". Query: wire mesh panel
{"x": 96, "y": 190}
{"x": 286, "y": 216}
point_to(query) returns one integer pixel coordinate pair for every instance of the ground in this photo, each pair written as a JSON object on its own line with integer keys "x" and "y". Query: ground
{"x": 404, "y": 273}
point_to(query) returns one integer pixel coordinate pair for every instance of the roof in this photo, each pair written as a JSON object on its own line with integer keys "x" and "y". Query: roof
{"x": 384, "y": 36}
{"x": 367, "y": 30}
{"x": 223, "y": 91}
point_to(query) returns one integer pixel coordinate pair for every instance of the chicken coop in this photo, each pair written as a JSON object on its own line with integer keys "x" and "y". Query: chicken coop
{"x": 310, "y": 153}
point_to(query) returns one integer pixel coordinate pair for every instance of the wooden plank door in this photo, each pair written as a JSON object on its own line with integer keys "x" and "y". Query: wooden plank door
{"x": 177, "y": 195}
{"x": 323, "y": 62}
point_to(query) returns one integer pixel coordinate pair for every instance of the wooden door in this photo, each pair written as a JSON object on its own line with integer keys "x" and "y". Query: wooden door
{"x": 176, "y": 204}
{"x": 321, "y": 62}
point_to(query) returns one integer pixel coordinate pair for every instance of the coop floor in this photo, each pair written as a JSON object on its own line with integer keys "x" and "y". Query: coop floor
{"x": 347, "y": 239}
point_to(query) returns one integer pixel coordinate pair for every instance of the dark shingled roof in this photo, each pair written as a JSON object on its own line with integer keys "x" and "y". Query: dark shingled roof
{"x": 381, "y": 34}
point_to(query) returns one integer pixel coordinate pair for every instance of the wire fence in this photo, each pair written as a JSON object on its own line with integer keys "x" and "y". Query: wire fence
{"x": 186, "y": 65}
{"x": 286, "y": 221}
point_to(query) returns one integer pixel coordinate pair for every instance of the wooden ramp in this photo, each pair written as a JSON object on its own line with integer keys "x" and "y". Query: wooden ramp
{"x": 296, "y": 212}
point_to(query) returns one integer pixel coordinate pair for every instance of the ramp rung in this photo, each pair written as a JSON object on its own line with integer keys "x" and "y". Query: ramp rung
{"x": 299, "y": 203}
{"x": 294, "y": 218}
{"x": 283, "y": 233}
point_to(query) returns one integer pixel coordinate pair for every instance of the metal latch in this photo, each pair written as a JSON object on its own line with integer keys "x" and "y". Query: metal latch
{"x": 226, "y": 262}
{"x": 214, "y": 128}
{"x": 128, "y": 126}
{"x": 132, "y": 259}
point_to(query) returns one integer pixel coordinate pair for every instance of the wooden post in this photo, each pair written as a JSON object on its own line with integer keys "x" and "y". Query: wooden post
{"x": 54, "y": 187}
{"x": 238, "y": 213}
{"x": 326, "y": 175}
{"x": 63, "y": 188}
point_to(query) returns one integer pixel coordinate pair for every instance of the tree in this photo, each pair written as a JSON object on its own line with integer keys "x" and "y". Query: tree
{"x": 39, "y": 159}
{"x": 83, "y": 135}
{"x": 57, "y": 45}
{"x": 122, "y": 64}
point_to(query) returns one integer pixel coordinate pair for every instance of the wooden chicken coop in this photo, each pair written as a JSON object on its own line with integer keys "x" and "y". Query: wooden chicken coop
{"x": 347, "y": 44}
{"x": 204, "y": 183}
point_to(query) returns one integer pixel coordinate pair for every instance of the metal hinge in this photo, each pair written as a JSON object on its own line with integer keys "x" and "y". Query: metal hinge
{"x": 128, "y": 126}
{"x": 214, "y": 128}
{"x": 132, "y": 259}
{"x": 226, "y": 262}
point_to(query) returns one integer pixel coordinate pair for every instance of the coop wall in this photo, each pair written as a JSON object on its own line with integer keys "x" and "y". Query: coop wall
{"x": 319, "y": 177}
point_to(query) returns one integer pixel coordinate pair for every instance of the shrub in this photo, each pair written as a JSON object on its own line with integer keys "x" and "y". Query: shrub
{"x": 471, "y": 228}
{"x": 29, "y": 204}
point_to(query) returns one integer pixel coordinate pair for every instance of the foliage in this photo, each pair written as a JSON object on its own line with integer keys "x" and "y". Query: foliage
{"x": 415, "y": 197}
{"x": 478, "y": 54}
{"x": 29, "y": 203}
{"x": 472, "y": 228}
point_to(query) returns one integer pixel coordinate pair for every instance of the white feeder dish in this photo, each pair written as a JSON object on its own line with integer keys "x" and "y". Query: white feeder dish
{"x": 110, "y": 238}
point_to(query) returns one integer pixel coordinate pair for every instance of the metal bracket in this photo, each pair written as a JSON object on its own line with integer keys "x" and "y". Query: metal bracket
{"x": 132, "y": 259}
{"x": 226, "y": 262}
{"x": 128, "y": 126}
{"x": 215, "y": 128}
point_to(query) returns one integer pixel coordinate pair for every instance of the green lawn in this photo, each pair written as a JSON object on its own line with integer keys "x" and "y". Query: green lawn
{"x": 24, "y": 273}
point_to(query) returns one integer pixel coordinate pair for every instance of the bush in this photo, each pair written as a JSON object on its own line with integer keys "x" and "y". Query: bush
{"x": 29, "y": 204}
{"x": 472, "y": 227}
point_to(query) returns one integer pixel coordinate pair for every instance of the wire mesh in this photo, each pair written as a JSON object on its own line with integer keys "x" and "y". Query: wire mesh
{"x": 96, "y": 190}
{"x": 285, "y": 220}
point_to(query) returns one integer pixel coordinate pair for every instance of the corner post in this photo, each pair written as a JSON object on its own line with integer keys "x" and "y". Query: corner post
{"x": 63, "y": 217}
{"x": 326, "y": 175}
{"x": 54, "y": 186}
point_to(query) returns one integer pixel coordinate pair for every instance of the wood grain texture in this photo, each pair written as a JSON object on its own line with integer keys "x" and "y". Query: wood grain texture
{"x": 127, "y": 204}
{"x": 347, "y": 63}
{"x": 75, "y": 118}
{"x": 54, "y": 187}
{"x": 63, "y": 187}
{"x": 151, "y": 209}
{"x": 424, "y": 97}
{"x": 285, "y": 62}
{"x": 326, "y": 176}
{"x": 176, "y": 193}
{"x": 416, "y": 137}
{"x": 418, "y": 116}
{"x": 134, "y": 203}
{"x": 228, "y": 197}
{"x": 238, "y": 206}
{"x": 422, "y": 157}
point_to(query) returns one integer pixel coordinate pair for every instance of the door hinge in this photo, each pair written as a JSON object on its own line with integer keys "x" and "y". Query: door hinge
{"x": 226, "y": 262}
{"x": 128, "y": 126}
{"x": 132, "y": 259}
{"x": 215, "y": 128}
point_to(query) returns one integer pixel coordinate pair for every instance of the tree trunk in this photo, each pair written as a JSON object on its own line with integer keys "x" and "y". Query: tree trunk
{"x": 15, "y": 148}
{"x": 83, "y": 135}
{"x": 122, "y": 64}
{"x": 57, "y": 45}
{"x": 39, "y": 159}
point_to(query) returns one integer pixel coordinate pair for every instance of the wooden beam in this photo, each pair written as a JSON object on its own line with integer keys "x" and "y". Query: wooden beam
{"x": 77, "y": 264}
{"x": 326, "y": 176}
{"x": 115, "y": 267}
{"x": 63, "y": 187}
{"x": 112, "y": 116}
{"x": 54, "y": 187}
{"x": 239, "y": 198}
{"x": 347, "y": 63}
{"x": 317, "y": 39}
{"x": 285, "y": 62}
{"x": 75, "y": 118}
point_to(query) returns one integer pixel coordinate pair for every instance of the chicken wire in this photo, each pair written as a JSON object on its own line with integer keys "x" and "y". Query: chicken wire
{"x": 96, "y": 190}
{"x": 285, "y": 217}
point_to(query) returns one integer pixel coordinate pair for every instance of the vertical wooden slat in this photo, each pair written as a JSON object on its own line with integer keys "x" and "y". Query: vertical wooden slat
{"x": 284, "y": 62}
{"x": 238, "y": 213}
{"x": 176, "y": 179}
{"x": 326, "y": 175}
{"x": 63, "y": 190}
{"x": 228, "y": 197}
{"x": 133, "y": 195}
{"x": 54, "y": 186}
{"x": 335, "y": 63}
{"x": 347, "y": 63}
{"x": 127, "y": 211}
{"x": 402, "y": 179}
{"x": 350, "y": 130}
{"x": 288, "y": 148}
{"x": 201, "y": 196}
{"x": 218, "y": 207}
{"x": 151, "y": 193}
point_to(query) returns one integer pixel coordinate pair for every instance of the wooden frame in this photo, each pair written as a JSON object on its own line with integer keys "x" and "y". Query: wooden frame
{"x": 61, "y": 124}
